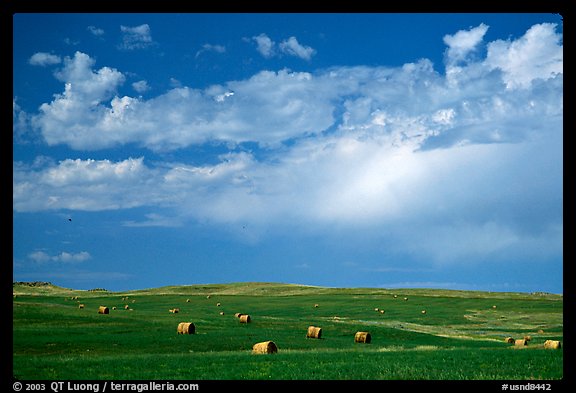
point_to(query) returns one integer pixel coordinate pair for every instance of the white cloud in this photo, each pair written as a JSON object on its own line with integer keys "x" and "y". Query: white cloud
{"x": 44, "y": 59}
{"x": 268, "y": 48}
{"x": 20, "y": 123}
{"x": 211, "y": 48}
{"x": 464, "y": 42}
{"x": 155, "y": 220}
{"x": 63, "y": 257}
{"x": 137, "y": 37}
{"x": 292, "y": 47}
{"x": 455, "y": 171}
{"x": 265, "y": 45}
{"x": 413, "y": 103}
{"x": 141, "y": 86}
{"x": 70, "y": 114}
{"x": 88, "y": 185}
{"x": 98, "y": 32}
{"x": 536, "y": 55}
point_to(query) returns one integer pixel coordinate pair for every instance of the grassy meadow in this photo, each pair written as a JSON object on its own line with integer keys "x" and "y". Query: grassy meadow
{"x": 459, "y": 337}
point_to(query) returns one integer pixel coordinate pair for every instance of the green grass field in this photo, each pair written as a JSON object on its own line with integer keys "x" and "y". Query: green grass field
{"x": 460, "y": 337}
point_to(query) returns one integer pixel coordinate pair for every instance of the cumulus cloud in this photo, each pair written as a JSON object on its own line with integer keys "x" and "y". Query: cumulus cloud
{"x": 409, "y": 102}
{"x": 136, "y": 37}
{"x": 292, "y": 47}
{"x": 536, "y": 55}
{"x": 268, "y": 48}
{"x": 141, "y": 86}
{"x": 89, "y": 185}
{"x": 264, "y": 45}
{"x": 72, "y": 112}
{"x": 437, "y": 167}
{"x": 464, "y": 42}
{"x": 44, "y": 59}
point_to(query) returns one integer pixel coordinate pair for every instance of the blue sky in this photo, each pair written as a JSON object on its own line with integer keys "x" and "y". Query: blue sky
{"x": 341, "y": 150}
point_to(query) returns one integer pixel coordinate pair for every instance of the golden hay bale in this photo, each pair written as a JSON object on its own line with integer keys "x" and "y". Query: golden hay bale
{"x": 316, "y": 306}
{"x": 244, "y": 318}
{"x": 218, "y": 304}
{"x": 126, "y": 307}
{"x": 238, "y": 314}
{"x": 362, "y": 337}
{"x": 552, "y": 344}
{"x": 186, "y": 328}
{"x": 527, "y": 338}
{"x": 314, "y": 332}
{"x": 382, "y": 311}
{"x": 103, "y": 310}
{"x": 221, "y": 312}
{"x": 509, "y": 340}
{"x": 520, "y": 343}
{"x": 80, "y": 306}
{"x": 265, "y": 347}
{"x": 540, "y": 331}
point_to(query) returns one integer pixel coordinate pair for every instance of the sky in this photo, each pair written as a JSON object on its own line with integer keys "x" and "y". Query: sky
{"x": 340, "y": 150}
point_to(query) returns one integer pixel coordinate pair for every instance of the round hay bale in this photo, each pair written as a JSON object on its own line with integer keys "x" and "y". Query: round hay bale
{"x": 382, "y": 311}
{"x": 187, "y": 300}
{"x": 221, "y": 312}
{"x": 80, "y": 306}
{"x": 314, "y": 332}
{"x": 376, "y": 309}
{"x": 494, "y": 307}
{"x": 540, "y": 331}
{"x": 405, "y": 299}
{"x": 527, "y": 338}
{"x": 362, "y": 337}
{"x": 552, "y": 344}
{"x": 126, "y": 307}
{"x": 208, "y": 297}
{"x": 316, "y": 306}
{"x": 509, "y": 340}
{"x": 238, "y": 314}
{"x": 423, "y": 311}
{"x": 395, "y": 296}
{"x": 265, "y": 347}
{"x": 103, "y": 310}
{"x": 218, "y": 304}
{"x": 244, "y": 318}
{"x": 114, "y": 308}
{"x": 520, "y": 343}
{"x": 186, "y": 328}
